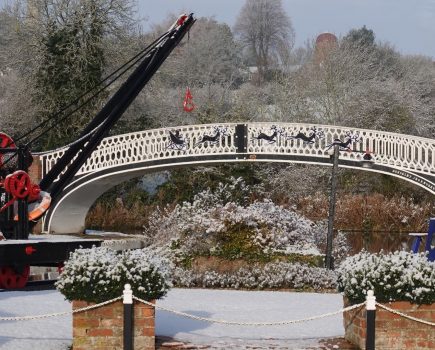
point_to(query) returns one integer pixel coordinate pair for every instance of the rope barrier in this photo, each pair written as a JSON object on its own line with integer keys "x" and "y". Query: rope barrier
{"x": 36, "y": 317}
{"x": 211, "y": 320}
{"x": 405, "y": 315}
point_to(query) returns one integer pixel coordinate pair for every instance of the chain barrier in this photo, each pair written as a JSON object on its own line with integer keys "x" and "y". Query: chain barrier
{"x": 211, "y": 320}
{"x": 405, "y": 315}
{"x": 179, "y": 313}
{"x": 278, "y": 323}
{"x": 36, "y": 317}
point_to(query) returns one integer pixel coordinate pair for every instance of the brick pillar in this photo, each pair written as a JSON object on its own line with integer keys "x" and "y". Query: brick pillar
{"x": 102, "y": 328}
{"x": 354, "y": 323}
{"x": 144, "y": 326}
{"x": 393, "y": 331}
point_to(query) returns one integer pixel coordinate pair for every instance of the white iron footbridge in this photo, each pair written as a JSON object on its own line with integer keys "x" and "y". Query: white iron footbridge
{"x": 123, "y": 157}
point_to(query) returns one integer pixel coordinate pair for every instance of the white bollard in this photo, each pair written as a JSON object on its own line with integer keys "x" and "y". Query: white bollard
{"x": 371, "y": 319}
{"x": 128, "y": 317}
{"x": 127, "y": 294}
{"x": 370, "y": 300}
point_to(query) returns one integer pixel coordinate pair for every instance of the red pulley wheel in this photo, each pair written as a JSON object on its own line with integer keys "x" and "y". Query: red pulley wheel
{"x": 6, "y": 141}
{"x": 12, "y": 279}
{"x": 18, "y": 184}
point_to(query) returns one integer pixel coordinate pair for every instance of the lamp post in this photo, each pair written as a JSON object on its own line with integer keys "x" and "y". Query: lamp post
{"x": 329, "y": 263}
{"x": 366, "y": 162}
{"x": 367, "y": 226}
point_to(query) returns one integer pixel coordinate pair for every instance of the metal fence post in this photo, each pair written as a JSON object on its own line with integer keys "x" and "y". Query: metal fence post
{"x": 371, "y": 317}
{"x": 128, "y": 317}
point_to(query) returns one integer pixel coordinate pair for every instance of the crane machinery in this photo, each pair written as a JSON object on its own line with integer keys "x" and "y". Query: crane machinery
{"x": 23, "y": 203}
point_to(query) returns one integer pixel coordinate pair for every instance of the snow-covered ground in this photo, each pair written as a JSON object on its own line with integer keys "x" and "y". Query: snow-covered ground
{"x": 48, "y": 334}
{"x": 253, "y": 306}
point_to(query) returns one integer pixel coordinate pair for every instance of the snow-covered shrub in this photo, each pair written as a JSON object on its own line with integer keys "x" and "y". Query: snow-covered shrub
{"x": 99, "y": 274}
{"x": 235, "y": 191}
{"x": 268, "y": 276}
{"x": 395, "y": 276}
{"x": 211, "y": 226}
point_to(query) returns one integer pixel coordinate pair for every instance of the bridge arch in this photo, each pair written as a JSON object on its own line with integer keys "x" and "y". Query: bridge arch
{"x": 123, "y": 157}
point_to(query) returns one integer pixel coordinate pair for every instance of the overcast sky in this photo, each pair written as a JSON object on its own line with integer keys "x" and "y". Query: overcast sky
{"x": 409, "y": 25}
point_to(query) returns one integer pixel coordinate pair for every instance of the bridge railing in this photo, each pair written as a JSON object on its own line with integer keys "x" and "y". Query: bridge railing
{"x": 400, "y": 151}
{"x": 397, "y": 150}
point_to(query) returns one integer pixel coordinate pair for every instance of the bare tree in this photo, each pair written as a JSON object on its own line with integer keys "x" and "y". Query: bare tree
{"x": 366, "y": 86}
{"x": 5, "y": 23}
{"x": 14, "y": 103}
{"x": 266, "y": 32}
{"x": 419, "y": 82}
{"x": 208, "y": 55}
{"x": 208, "y": 62}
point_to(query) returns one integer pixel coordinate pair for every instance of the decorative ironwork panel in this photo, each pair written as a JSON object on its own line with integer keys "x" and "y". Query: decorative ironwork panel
{"x": 178, "y": 142}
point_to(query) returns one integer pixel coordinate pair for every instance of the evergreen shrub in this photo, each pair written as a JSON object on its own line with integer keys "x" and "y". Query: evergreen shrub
{"x": 398, "y": 276}
{"x": 99, "y": 274}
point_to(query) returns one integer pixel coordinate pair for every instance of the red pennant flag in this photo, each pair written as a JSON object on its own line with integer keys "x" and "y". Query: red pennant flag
{"x": 188, "y": 105}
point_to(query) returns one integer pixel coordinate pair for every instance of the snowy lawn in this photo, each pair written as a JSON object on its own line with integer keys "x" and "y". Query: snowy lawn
{"x": 253, "y": 306}
{"x": 250, "y": 306}
{"x": 44, "y": 334}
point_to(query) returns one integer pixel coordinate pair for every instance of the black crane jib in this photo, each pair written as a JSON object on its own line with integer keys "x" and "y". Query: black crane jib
{"x": 114, "y": 109}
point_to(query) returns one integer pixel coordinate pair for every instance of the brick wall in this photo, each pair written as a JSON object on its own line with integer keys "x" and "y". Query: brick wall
{"x": 393, "y": 332}
{"x": 35, "y": 170}
{"x": 102, "y": 328}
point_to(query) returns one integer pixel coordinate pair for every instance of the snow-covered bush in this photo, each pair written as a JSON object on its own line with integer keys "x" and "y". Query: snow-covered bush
{"x": 99, "y": 274}
{"x": 268, "y": 276}
{"x": 395, "y": 276}
{"x": 217, "y": 224}
{"x": 213, "y": 225}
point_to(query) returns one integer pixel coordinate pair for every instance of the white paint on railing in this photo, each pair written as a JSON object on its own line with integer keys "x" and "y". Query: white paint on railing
{"x": 404, "y": 152}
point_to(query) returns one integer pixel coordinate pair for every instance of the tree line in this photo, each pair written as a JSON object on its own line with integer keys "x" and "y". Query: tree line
{"x": 53, "y": 50}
